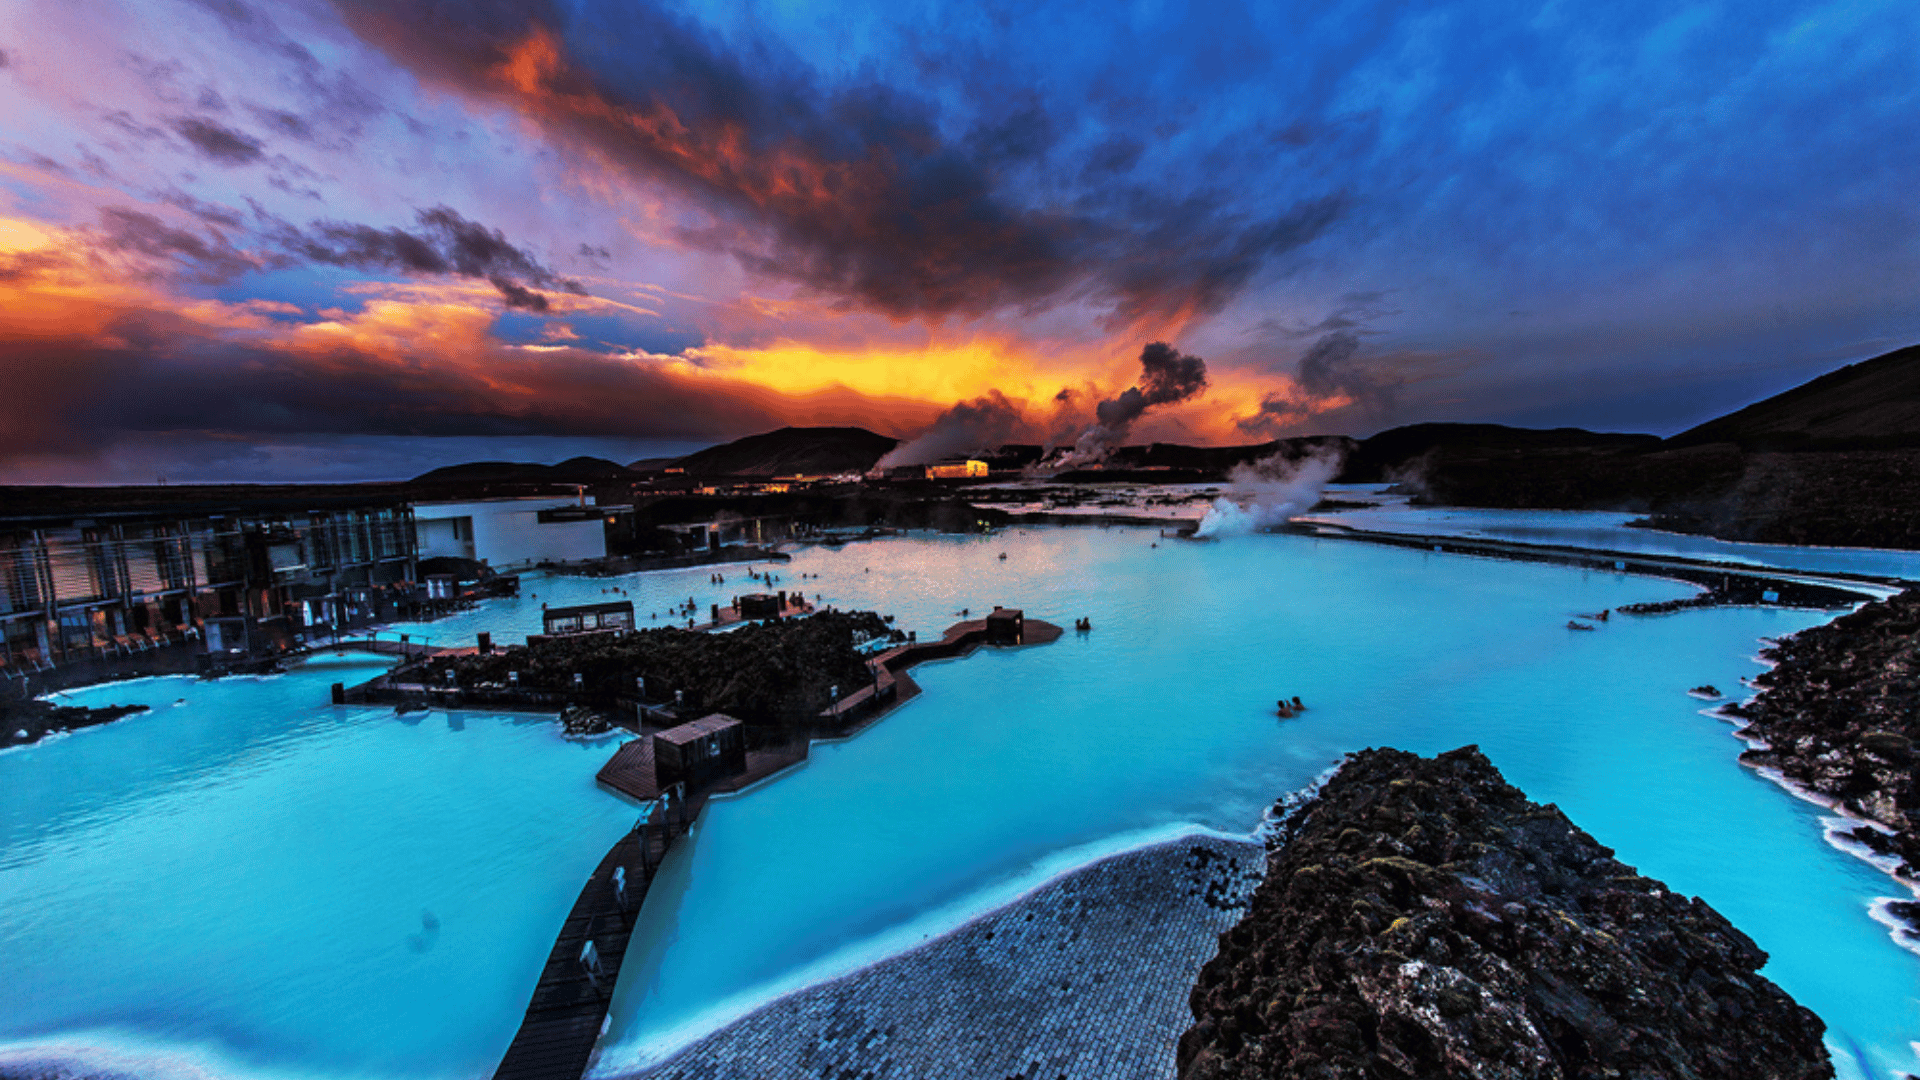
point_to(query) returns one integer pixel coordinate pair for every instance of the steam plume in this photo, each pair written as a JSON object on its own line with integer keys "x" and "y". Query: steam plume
{"x": 1166, "y": 376}
{"x": 1268, "y": 492}
{"x": 981, "y": 424}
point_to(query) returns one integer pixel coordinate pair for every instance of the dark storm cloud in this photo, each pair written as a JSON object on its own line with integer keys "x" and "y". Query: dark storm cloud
{"x": 218, "y": 142}
{"x": 209, "y": 258}
{"x": 517, "y": 295}
{"x": 858, "y": 191}
{"x": 1274, "y": 415}
{"x": 1324, "y": 368}
{"x": 153, "y": 372}
{"x": 1333, "y": 366}
{"x": 445, "y": 243}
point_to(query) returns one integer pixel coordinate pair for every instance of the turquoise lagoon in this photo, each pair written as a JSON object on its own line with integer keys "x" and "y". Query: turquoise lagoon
{"x": 254, "y": 883}
{"x": 255, "y": 867}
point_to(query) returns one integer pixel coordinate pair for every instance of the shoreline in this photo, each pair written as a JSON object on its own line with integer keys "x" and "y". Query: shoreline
{"x": 868, "y": 978}
{"x": 1830, "y": 720}
{"x": 1905, "y": 933}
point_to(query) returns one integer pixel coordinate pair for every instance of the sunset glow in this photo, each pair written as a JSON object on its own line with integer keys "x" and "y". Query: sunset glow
{"x": 360, "y": 233}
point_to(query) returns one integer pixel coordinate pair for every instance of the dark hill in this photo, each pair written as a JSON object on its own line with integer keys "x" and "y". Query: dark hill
{"x": 1382, "y": 456}
{"x": 1874, "y": 404}
{"x": 1221, "y": 459}
{"x": 484, "y": 472}
{"x": 589, "y": 470}
{"x": 789, "y": 451}
{"x": 579, "y": 470}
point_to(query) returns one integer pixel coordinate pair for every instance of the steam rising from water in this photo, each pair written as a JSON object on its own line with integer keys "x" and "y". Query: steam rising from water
{"x": 1268, "y": 492}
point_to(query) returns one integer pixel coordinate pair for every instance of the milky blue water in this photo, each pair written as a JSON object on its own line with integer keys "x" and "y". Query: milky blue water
{"x": 265, "y": 860}
{"x": 1163, "y": 716}
{"x": 255, "y": 883}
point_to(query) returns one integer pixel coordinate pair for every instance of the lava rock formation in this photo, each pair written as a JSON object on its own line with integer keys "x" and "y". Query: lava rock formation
{"x": 1420, "y": 917}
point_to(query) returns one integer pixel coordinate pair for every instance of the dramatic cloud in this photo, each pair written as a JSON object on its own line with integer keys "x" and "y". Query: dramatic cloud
{"x": 1327, "y": 368}
{"x": 120, "y": 371}
{"x": 447, "y": 243}
{"x": 854, "y": 191}
{"x": 1361, "y": 214}
{"x": 208, "y": 258}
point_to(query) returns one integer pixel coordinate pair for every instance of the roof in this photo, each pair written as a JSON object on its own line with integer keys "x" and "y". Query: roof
{"x": 694, "y": 731}
{"x": 584, "y": 609}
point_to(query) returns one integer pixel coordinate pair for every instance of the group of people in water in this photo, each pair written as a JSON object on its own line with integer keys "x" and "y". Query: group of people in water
{"x": 1291, "y": 709}
{"x": 1576, "y": 624}
{"x": 1083, "y": 624}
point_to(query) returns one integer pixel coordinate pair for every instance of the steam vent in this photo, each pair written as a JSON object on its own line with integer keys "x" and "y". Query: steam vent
{"x": 1421, "y": 918}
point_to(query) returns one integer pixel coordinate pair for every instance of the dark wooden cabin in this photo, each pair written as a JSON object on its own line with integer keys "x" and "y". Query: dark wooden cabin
{"x": 1007, "y": 626}
{"x": 697, "y": 753}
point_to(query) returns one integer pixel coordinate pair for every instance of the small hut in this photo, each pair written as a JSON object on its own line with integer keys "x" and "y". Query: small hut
{"x": 698, "y": 753}
{"x": 759, "y": 606}
{"x": 1007, "y": 626}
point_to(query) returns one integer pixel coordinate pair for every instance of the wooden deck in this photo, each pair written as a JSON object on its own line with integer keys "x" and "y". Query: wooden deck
{"x": 630, "y": 770}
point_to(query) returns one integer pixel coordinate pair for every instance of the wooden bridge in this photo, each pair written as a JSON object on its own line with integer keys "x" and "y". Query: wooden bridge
{"x": 570, "y": 1002}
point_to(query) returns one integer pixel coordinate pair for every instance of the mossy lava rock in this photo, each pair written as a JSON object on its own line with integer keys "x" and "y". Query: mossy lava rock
{"x": 1421, "y": 918}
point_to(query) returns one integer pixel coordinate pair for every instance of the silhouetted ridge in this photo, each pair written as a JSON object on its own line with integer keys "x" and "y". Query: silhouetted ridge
{"x": 1874, "y": 404}
{"x": 579, "y": 470}
{"x": 1380, "y": 456}
{"x": 809, "y": 451}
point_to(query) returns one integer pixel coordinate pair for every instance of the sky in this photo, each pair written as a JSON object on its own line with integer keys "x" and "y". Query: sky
{"x": 359, "y": 239}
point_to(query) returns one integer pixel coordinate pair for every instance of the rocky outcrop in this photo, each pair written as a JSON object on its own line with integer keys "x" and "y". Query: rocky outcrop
{"x": 1839, "y": 715}
{"x": 29, "y": 721}
{"x": 1421, "y": 918}
{"x": 584, "y": 722}
{"x": 777, "y": 673}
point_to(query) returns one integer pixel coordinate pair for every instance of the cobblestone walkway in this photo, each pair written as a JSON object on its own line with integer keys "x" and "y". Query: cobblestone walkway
{"x": 1084, "y": 979}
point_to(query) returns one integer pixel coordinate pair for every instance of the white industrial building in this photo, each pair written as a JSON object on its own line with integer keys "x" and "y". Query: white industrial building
{"x": 510, "y": 534}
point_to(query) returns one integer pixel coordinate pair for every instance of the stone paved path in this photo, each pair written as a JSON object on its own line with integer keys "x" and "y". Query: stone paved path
{"x": 1084, "y": 979}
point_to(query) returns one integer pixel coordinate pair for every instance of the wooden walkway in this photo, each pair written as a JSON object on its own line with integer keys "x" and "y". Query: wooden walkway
{"x": 570, "y": 1002}
{"x": 569, "y": 1006}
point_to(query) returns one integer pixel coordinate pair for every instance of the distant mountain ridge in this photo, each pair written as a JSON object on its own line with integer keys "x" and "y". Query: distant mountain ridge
{"x": 578, "y": 470}
{"x": 1874, "y": 404}
{"x": 805, "y": 451}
